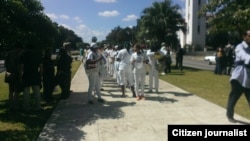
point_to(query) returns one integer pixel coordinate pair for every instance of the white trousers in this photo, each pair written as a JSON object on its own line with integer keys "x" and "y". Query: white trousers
{"x": 126, "y": 77}
{"x": 116, "y": 72}
{"x": 153, "y": 79}
{"x": 94, "y": 84}
{"x": 139, "y": 78}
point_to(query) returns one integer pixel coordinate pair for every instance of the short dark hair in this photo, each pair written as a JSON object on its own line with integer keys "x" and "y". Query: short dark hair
{"x": 94, "y": 39}
{"x": 137, "y": 46}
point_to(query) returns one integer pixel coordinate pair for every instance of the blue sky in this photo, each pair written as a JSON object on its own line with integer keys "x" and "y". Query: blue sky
{"x": 89, "y": 18}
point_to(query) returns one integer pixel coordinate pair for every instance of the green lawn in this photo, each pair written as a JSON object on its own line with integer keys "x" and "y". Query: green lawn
{"x": 207, "y": 85}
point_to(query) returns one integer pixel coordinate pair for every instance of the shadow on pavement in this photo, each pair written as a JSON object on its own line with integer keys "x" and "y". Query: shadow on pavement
{"x": 79, "y": 114}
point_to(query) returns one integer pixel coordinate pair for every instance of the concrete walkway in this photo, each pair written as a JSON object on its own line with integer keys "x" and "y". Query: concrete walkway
{"x": 125, "y": 119}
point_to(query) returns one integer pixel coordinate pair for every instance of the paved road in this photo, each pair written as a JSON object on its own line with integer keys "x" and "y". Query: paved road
{"x": 197, "y": 62}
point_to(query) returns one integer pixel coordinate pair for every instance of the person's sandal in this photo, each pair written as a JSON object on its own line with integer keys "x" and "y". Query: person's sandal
{"x": 138, "y": 98}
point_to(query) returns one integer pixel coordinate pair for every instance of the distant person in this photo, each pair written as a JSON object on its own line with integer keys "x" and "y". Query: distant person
{"x": 32, "y": 72}
{"x": 163, "y": 60}
{"x": 12, "y": 65}
{"x": 145, "y": 49}
{"x": 219, "y": 58}
{"x": 48, "y": 76}
{"x": 81, "y": 53}
{"x": 229, "y": 59}
{"x": 240, "y": 81}
{"x": 63, "y": 73}
{"x": 102, "y": 66}
{"x": 154, "y": 55}
{"x": 109, "y": 51}
{"x": 113, "y": 57}
{"x": 116, "y": 65}
{"x": 179, "y": 58}
{"x": 167, "y": 60}
{"x": 138, "y": 59}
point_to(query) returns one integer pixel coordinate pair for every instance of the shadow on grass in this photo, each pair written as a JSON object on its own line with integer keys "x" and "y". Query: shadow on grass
{"x": 185, "y": 69}
{"x": 19, "y": 125}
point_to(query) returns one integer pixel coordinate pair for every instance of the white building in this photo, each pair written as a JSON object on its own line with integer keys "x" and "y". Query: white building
{"x": 196, "y": 25}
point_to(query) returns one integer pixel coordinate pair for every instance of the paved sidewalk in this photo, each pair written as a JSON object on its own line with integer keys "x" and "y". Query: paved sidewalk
{"x": 125, "y": 119}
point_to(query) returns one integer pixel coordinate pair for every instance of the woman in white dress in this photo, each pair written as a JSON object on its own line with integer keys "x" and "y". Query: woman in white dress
{"x": 138, "y": 59}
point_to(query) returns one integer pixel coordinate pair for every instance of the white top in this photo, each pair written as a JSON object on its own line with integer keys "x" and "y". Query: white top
{"x": 137, "y": 60}
{"x": 113, "y": 54}
{"x": 153, "y": 58}
{"x": 124, "y": 57}
{"x": 164, "y": 50}
{"x": 241, "y": 73}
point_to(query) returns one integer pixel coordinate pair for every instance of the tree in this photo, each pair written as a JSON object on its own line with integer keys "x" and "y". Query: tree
{"x": 25, "y": 21}
{"x": 120, "y": 35}
{"x": 160, "y": 22}
{"x": 227, "y": 15}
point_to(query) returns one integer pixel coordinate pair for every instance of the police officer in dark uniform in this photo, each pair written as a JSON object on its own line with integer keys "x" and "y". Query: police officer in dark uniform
{"x": 179, "y": 58}
{"x": 12, "y": 76}
{"x": 48, "y": 76}
{"x": 63, "y": 75}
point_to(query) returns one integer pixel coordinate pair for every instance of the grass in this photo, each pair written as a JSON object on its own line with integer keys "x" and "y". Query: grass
{"x": 207, "y": 85}
{"x": 18, "y": 126}
{"x": 26, "y": 127}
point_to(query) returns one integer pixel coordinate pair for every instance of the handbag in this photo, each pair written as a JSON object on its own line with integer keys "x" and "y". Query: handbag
{"x": 90, "y": 67}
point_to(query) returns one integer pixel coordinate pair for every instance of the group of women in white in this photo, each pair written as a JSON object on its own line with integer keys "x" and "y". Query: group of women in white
{"x": 126, "y": 63}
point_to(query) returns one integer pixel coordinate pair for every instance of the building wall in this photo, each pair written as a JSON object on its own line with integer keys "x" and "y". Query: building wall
{"x": 196, "y": 26}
